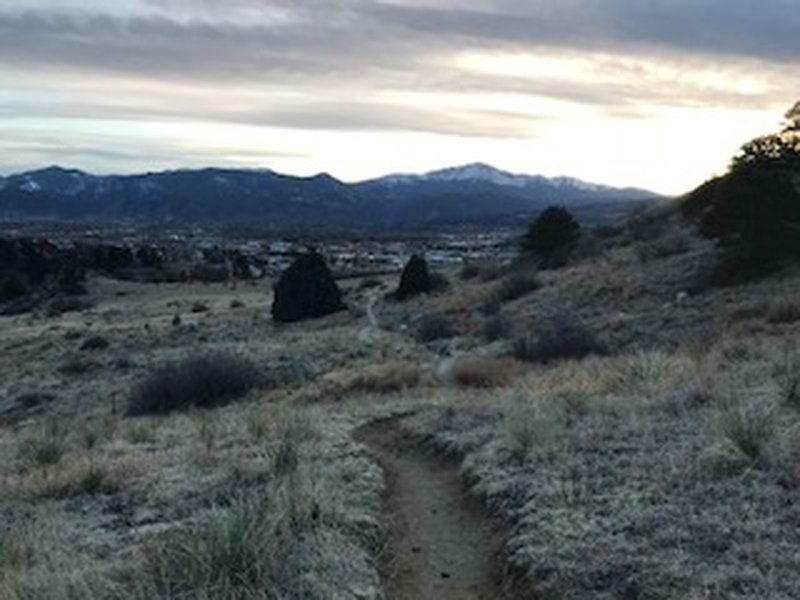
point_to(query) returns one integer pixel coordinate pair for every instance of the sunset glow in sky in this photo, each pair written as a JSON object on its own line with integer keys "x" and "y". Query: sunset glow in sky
{"x": 655, "y": 94}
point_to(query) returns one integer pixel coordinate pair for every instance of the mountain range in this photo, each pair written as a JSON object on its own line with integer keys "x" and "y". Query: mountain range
{"x": 459, "y": 196}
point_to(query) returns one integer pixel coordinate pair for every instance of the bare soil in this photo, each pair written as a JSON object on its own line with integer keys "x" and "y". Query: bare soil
{"x": 440, "y": 545}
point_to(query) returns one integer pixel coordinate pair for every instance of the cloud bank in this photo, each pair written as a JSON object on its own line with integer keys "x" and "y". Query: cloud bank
{"x": 496, "y": 76}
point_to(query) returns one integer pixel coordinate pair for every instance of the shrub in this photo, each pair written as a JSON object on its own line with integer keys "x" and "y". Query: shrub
{"x": 12, "y": 286}
{"x": 485, "y": 271}
{"x": 306, "y": 290}
{"x": 374, "y": 379}
{"x": 469, "y": 271}
{"x": 199, "y": 307}
{"x": 414, "y": 279}
{"x": 77, "y": 366}
{"x": 495, "y": 328}
{"x": 783, "y": 312}
{"x": 752, "y": 211}
{"x": 516, "y": 286}
{"x": 204, "y": 380}
{"x": 672, "y": 245}
{"x": 439, "y": 282}
{"x": 562, "y": 339}
{"x": 434, "y": 327}
{"x": 95, "y": 343}
{"x": 62, "y": 304}
{"x": 482, "y": 372}
{"x": 551, "y": 237}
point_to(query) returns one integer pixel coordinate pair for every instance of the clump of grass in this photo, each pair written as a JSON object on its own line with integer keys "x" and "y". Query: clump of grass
{"x": 203, "y": 381}
{"x": 784, "y": 311}
{"x": 527, "y": 426}
{"x": 750, "y": 431}
{"x": 561, "y": 339}
{"x": 483, "y": 372}
{"x": 239, "y": 550}
{"x": 435, "y": 327}
{"x": 207, "y": 431}
{"x": 787, "y": 375}
{"x": 236, "y": 303}
{"x": 16, "y": 547}
{"x": 43, "y": 450}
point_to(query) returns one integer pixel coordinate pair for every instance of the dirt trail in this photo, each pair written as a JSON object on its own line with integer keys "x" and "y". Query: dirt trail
{"x": 440, "y": 546}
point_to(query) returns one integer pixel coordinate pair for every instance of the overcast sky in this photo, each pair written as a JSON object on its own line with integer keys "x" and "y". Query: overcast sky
{"x": 655, "y": 93}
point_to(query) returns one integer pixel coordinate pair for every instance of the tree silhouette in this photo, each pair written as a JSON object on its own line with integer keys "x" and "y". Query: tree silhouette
{"x": 551, "y": 236}
{"x": 306, "y": 290}
{"x": 753, "y": 211}
{"x": 414, "y": 279}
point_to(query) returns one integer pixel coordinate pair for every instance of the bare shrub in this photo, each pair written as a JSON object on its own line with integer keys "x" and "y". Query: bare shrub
{"x": 516, "y": 286}
{"x": 391, "y": 377}
{"x": 77, "y": 366}
{"x": 204, "y": 380}
{"x": 496, "y": 327}
{"x": 95, "y": 342}
{"x": 490, "y": 306}
{"x": 434, "y": 327}
{"x": 484, "y": 270}
{"x": 377, "y": 379}
{"x": 670, "y": 245}
{"x": 439, "y": 282}
{"x": 784, "y": 311}
{"x": 483, "y": 372}
{"x": 562, "y": 339}
{"x": 62, "y": 304}
{"x": 199, "y": 307}
{"x": 469, "y": 271}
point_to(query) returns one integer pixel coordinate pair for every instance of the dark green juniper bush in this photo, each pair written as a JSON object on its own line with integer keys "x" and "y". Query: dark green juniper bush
{"x": 306, "y": 290}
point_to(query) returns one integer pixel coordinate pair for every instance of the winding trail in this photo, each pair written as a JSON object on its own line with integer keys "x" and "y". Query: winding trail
{"x": 440, "y": 545}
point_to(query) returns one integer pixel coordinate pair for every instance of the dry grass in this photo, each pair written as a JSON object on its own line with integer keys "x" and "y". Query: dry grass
{"x": 484, "y": 372}
{"x": 386, "y": 378}
{"x": 647, "y": 473}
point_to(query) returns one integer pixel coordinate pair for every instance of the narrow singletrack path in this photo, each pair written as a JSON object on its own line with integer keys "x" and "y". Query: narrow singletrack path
{"x": 440, "y": 546}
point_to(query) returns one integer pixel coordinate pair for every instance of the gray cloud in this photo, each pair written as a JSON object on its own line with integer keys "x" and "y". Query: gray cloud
{"x": 349, "y": 64}
{"x": 340, "y": 38}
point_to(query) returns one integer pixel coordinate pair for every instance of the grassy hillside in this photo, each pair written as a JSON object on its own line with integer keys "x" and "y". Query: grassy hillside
{"x": 661, "y": 465}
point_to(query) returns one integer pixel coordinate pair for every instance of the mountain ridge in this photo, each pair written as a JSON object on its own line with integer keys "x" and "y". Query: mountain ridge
{"x": 467, "y": 194}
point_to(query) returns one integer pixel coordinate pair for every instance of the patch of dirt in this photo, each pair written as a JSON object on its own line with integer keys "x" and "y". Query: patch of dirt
{"x": 440, "y": 545}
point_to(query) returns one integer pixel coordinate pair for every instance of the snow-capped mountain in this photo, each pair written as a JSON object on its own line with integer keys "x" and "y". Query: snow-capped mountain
{"x": 470, "y": 194}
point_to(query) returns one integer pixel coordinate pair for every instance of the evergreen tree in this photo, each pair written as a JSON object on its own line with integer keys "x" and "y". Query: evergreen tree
{"x": 753, "y": 211}
{"x": 551, "y": 236}
{"x": 306, "y": 290}
{"x": 414, "y": 279}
